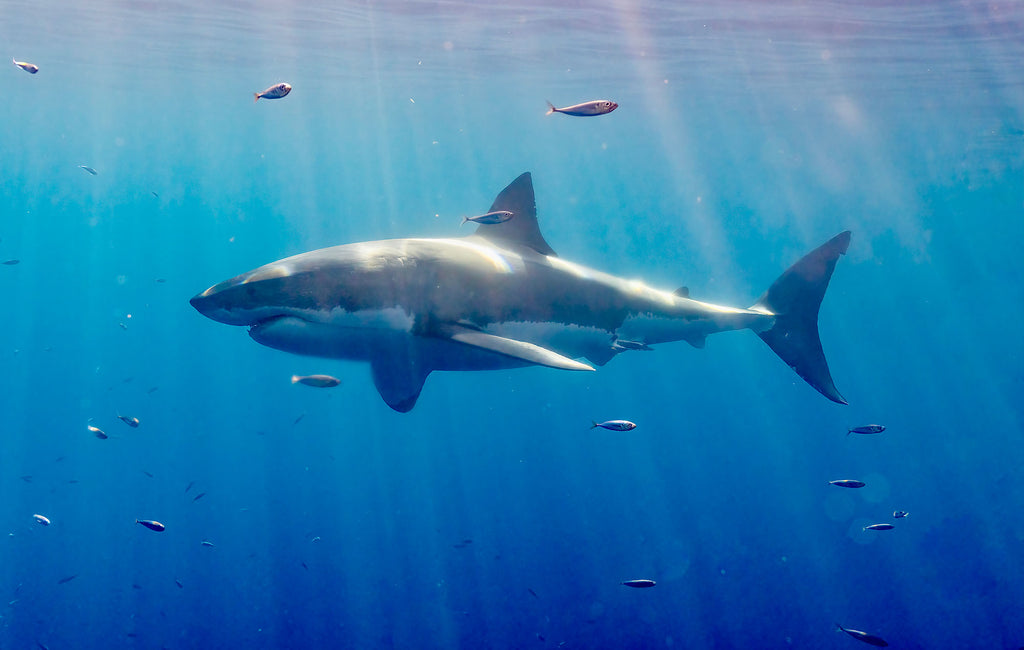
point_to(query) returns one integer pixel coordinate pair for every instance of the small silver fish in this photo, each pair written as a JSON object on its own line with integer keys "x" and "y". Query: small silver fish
{"x": 206, "y": 542}
{"x": 900, "y": 514}
{"x": 614, "y": 425}
{"x": 586, "y": 109}
{"x": 491, "y": 218}
{"x": 41, "y": 519}
{"x": 130, "y": 421}
{"x": 848, "y": 483}
{"x": 879, "y": 527}
{"x": 317, "y": 381}
{"x": 152, "y": 525}
{"x": 88, "y": 169}
{"x": 866, "y": 429}
{"x": 621, "y": 344}
{"x": 864, "y": 637}
{"x": 640, "y": 584}
{"x": 27, "y": 67}
{"x": 96, "y": 431}
{"x": 12, "y": 262}
{"x": 277, "y": 91}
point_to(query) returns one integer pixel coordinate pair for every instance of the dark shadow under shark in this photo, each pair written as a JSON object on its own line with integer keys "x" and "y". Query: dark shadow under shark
{"x": 499, "y": 298}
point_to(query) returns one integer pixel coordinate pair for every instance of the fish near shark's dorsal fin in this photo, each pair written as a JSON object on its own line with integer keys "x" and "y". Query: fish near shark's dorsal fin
{"x": 522, "y": 228}
{"x": 682, "y": 292}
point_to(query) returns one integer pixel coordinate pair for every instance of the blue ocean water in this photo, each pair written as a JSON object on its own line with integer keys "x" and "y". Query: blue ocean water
{"x": 491, "y": 516}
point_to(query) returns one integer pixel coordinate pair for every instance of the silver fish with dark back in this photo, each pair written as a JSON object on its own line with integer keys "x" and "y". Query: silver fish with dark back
{"x": 866, "y": 429}
{"x": 277, "y": 91}
{"x": 848, "y": 483}
{"x": 621, "y": 344}
{"x": 879, "y": 527}
{"x": 152, "y": 525}
{"x": 317, "y": 381}
{"x": 586, "y": 109}
{"x": 27, "y": 67}
{"x": 864, "y": 637}
{"x": 491, "y": 218}
{"x": 614, "y": 425}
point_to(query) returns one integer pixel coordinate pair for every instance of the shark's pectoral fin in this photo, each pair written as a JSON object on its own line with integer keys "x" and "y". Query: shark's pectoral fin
{"x": 399, "y": 380}
{"x": 528, "y": 352}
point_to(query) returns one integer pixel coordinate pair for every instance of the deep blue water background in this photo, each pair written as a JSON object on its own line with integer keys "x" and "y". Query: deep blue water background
{"x": 748, "y": 133}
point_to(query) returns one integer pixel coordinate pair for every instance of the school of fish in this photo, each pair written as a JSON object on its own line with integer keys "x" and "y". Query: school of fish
{"x": 584, "y": 109}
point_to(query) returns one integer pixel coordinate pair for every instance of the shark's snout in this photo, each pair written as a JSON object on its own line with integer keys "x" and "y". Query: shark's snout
{"x": 229, "y": 302}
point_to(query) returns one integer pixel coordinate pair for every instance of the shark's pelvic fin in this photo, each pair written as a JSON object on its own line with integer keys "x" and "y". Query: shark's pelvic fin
{"x": 795, "y": 299}
{"x": 399, "y": 379}
{"x": 528, "y": 352}
{"x": 522, "y": 228}
{"x": 601, "y": 357}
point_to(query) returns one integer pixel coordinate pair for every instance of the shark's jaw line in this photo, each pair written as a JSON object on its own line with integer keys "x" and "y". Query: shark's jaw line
{"x": 498, "y": 298}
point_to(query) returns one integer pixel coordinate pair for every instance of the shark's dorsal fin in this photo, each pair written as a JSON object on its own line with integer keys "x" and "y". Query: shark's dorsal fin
{"x": 522, "y": 228}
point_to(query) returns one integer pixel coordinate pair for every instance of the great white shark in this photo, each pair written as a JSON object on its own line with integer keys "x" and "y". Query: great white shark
{"x": 499, "y": 298}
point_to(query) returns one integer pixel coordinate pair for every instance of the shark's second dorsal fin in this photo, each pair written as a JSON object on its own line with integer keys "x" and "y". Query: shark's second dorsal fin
{"x": 522, "y": 228}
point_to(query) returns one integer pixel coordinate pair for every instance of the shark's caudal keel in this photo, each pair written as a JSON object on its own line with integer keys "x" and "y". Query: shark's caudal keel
{"x": 499, "y": 298}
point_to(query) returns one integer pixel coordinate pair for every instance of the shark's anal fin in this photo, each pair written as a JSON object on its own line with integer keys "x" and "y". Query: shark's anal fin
{"x": 603, "y": 356}
{"x": 522, "y": 228}
{"x": 399, "y": 380}
{"x": 528, "y": 352}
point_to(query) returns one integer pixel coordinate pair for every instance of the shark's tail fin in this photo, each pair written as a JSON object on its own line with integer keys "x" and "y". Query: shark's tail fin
{"x": 795, "y": 298}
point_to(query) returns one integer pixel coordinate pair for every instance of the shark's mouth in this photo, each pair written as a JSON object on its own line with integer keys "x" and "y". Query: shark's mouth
{"x": 300, "y": 336}
{"x": 330, "y": 340}
{"x": 266, "y": 323}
